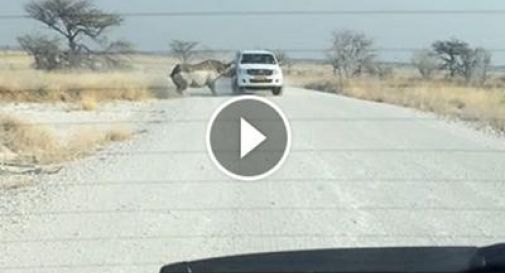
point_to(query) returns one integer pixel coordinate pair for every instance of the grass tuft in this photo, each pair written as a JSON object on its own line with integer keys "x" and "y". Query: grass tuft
{"x": 32, "y": 143}
{"x": 118, "y": 134}
{"x": 88, "y": 103}
{"x": 37, "y": 144}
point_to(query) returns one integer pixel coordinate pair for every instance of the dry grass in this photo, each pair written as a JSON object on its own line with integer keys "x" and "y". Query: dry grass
{"x": 37, "y": 144}
{"x": 16, "y": 182}
{"x": 14, "y": 60}
{"x": 22, "y": 142}
{"x": 88, "y": 103}
{"x": 118, "y": 134}
{"x": 29, "y": 142}
{"x": 90, "y": 139}
{"x": 485, "y": 104}
{"x": 20, "y": 83}
{"x": 37, "y": 86}
{"x": 468, "y": 103}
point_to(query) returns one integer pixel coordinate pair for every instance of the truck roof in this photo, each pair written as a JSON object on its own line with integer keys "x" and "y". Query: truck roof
{"x": 255, "y": 51}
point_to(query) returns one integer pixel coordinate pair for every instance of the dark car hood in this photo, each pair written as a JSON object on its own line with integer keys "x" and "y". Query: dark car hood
{"x": 391, "y": 260}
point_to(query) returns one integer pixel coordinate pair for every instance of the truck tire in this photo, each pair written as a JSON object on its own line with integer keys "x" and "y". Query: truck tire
{"x": 277, "y": 91}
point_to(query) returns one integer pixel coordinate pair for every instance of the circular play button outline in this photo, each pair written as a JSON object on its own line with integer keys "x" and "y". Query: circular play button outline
{"x": 279, "y": 162}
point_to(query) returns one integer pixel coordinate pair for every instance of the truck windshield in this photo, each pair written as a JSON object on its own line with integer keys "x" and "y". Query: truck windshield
{"x": 257, "y": 59}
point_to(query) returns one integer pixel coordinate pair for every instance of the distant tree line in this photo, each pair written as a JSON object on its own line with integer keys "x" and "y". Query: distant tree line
{"x": 80, "y": 41}
{"x": 352, "y": 53}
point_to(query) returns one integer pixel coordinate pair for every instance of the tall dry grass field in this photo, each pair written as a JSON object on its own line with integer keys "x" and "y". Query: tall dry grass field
{"x": 19, "y": 82}
{"x": 483, "y": 104}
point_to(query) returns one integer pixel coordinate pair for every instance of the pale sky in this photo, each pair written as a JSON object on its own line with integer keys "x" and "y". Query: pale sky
{"x": 309, "y": 31}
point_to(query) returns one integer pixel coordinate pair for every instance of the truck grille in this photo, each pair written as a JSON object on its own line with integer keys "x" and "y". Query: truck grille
{"x": 260, "y": 80}
{"x": 260, "y": 72}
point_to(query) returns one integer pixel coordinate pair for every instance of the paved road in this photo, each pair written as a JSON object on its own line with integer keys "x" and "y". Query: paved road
{"x": 359, "y": 174}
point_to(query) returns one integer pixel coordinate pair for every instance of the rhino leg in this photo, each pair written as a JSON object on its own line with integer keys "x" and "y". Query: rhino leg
{"x": 180, "y": 83}
{"x": 212, "y": 87}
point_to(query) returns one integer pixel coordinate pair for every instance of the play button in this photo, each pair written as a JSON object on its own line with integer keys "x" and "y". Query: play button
{"x": 248, "y": 138}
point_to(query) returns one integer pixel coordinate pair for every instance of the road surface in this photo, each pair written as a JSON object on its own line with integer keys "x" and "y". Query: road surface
{"x": 359, "y": 174}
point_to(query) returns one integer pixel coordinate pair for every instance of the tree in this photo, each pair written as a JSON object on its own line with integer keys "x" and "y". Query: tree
{"x": 351, "y": 53}
{"x": 426, "y": 62}
{"x": 475, "y": 65}
{"x": 77, "y": 22}
{"x": 451, "y": 53}
{"x": 462, "y": 60}
{"x": 483, "y": 63}
{"x": 183, "y": 50}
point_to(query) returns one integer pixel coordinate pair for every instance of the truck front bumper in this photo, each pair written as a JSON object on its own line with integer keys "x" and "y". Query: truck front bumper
{"x": 255, "y": 82}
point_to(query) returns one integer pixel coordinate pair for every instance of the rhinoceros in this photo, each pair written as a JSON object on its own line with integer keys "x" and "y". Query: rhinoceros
{"x": 199, "y": 75}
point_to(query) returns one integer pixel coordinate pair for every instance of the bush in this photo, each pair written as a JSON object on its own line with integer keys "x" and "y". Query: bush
{"x": 46, "y": 51}
{"x": 426, "y": 62}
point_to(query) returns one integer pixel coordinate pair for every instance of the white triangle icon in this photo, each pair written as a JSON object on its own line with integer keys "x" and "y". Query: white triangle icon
{"x": 250, "y": 138}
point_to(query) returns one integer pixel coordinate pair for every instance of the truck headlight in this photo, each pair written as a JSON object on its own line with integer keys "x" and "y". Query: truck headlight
{"x": 242, "y": 71}
{"x": 277, "y": 72}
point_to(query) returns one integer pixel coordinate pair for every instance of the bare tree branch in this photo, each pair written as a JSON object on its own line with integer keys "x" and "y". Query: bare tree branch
{"x": 183, "y": 50}
{"x": 351, "y": 53}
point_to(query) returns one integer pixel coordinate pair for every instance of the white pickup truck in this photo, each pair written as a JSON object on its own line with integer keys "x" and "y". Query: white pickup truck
{"x": 257, "y": 70}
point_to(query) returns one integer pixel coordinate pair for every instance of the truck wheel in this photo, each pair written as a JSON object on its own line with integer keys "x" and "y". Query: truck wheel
{"x": 277, "y": 91}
